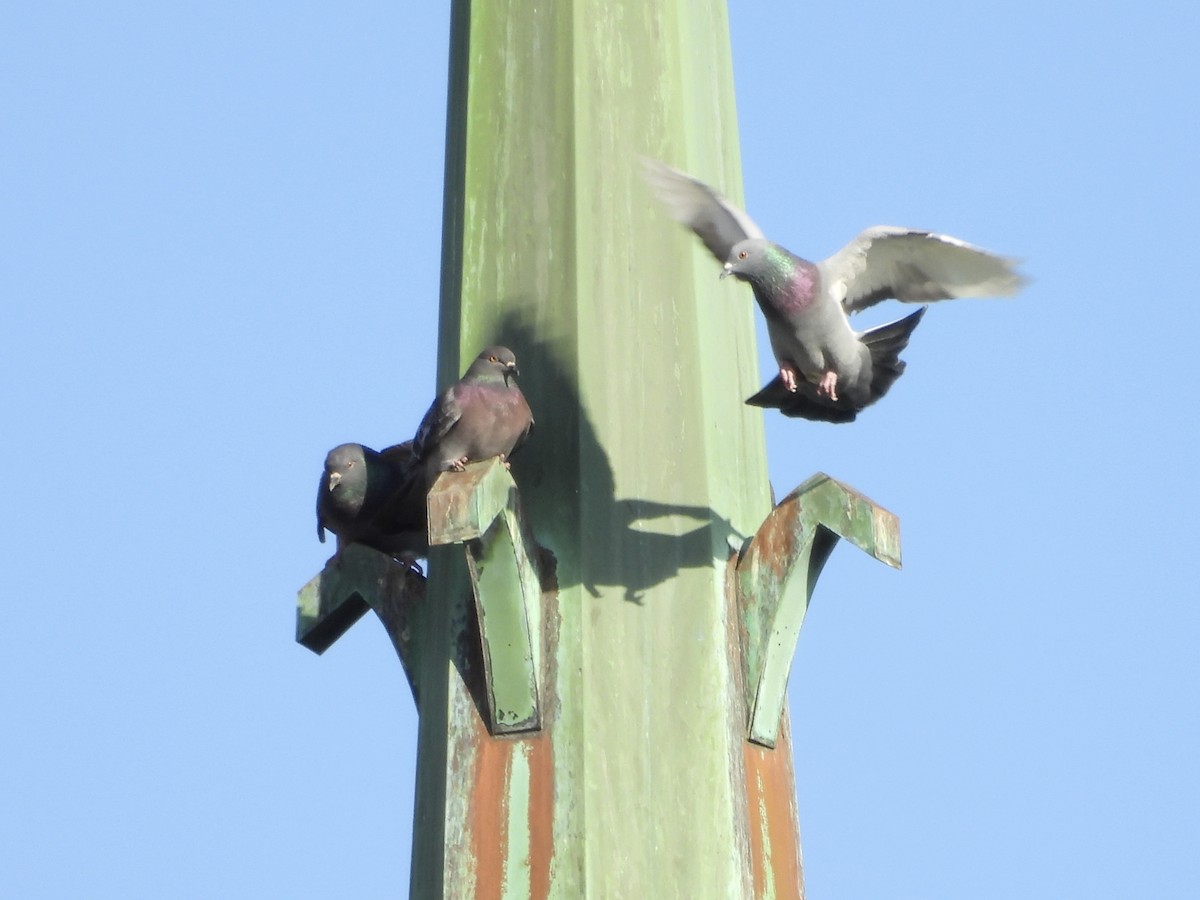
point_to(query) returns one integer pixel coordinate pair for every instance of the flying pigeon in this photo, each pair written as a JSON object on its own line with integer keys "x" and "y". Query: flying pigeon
{"x": 484, "y": 414}
{"x": 827, "y": 370}
{"x": 372, "y": 498}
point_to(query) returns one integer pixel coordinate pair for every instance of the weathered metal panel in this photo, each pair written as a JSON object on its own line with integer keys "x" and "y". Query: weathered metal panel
{"x": 777, "y": 573}
{"x": 463, "y": 505}
{"x": 774, "y": 829}
{"x": 354, "y": 580}
{"x": 480, "y": 507}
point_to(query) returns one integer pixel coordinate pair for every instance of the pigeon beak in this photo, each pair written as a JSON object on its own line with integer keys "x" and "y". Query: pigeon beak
{"x": 727, "y": 271}
{"x": 512, "y": 369}
{"x": 334, "y": 479}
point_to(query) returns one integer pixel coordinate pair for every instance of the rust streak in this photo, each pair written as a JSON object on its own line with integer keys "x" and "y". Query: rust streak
{"x": 777, "y": 541}
{"x": 754, "y": 803}
{"x": 773, "y": 771}
{"x": 541, "y": 815}
{"x": 488, "y": 813}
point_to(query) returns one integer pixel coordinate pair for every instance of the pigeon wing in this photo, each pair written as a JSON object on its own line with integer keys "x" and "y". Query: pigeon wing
{"x": 716, "y": 221}
{"x": 442, "y": 415}
{"x": 915, "y": 267}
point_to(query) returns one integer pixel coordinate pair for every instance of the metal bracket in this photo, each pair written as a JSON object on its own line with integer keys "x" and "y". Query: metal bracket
{"x": 481, "y": 509}
{"x": 356, "y": 579}
{"x": 776, "y": 574}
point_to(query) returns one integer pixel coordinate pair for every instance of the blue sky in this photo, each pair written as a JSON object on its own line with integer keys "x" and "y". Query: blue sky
{"x": 206, "y": 207}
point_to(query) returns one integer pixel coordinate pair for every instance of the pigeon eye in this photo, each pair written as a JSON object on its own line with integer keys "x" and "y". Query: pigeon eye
{"x": 743, "y": 254}
{"x": 492, "y": 358}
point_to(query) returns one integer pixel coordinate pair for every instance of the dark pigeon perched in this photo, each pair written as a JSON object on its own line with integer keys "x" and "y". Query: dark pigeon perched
{"x": 379, "y": 499}
{"x": 372, "y": 498}
{"x": 827, "y": 370}
{"x": 482, "y": 415}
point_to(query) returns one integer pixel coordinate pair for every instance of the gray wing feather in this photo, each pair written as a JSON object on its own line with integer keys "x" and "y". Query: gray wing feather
{"x": 716, "y": 221}
{"x": 439, "y": 419}
{"x": 915, "y": 267}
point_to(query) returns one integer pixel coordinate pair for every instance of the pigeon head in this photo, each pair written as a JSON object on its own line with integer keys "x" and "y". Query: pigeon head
{"x": 494, "y": 363}
{"x": 758, "y": 260}
{"x": 346, "y": 464}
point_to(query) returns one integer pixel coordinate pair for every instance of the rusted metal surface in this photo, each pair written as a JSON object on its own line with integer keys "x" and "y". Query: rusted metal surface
{"x": 487, "y": 815}
{"x": 507, "y": 846}
{"x": 776, "y": 576}
{"x": 480, "y": 507}
{"x": 463, "y": 505}
{"x": 498, "y": 838}
{"x": 774, "y": 829}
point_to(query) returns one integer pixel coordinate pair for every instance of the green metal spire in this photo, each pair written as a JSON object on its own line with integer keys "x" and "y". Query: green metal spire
{"x": 600, "y": 676}
{"x": 645, "y": 467}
